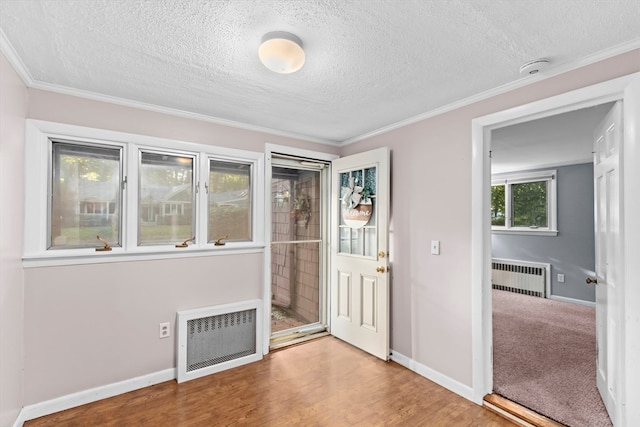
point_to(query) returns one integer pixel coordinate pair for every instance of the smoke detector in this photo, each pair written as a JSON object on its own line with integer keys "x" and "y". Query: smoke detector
{"x": 535, "y": 66}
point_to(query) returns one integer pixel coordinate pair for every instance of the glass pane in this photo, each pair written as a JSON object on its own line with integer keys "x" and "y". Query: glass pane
{"x": 165, "y": 202}
{"x": 529, "y": 201}
{"x": 345, "y": 240}
{"x": 358, "y": 214}
{"x": 86, "y": 198}
{"x": 295, "y": 204}
{"x": 229, "y": 201}
{"x": 497, "y": 205}
{"x": 370, "y": 242}
{"x": 357, "y": 241}
{"x": 370, "y": 188}
{"x": 295, "y": 284}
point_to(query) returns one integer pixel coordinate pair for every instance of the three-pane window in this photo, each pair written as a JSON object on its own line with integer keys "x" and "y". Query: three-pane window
{"x": 88, "y": 194}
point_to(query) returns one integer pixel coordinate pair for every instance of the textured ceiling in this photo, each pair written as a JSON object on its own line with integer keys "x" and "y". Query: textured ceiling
{"x": 562, "y": 139}
{"x": 370, "y": 63}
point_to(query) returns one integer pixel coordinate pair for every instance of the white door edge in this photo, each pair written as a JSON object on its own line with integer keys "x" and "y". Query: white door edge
{"x": 482, "y": 340}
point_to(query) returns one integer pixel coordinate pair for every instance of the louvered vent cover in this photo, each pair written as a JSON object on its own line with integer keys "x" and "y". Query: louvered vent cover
{"x": 214, "y": 339}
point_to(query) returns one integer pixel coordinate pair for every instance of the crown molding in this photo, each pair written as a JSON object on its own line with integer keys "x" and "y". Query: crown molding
{"x": 176, "y": 112}
{"x": 525, "y": 81}
{"x": 7, "y": 49}
{"x": 9, "y": 52}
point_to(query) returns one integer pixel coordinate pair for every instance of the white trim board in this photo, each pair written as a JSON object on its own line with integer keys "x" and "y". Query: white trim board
{"x": 626, "y": 88}
{"x": 433, "y": 375}
{"x": 73, "y": 400}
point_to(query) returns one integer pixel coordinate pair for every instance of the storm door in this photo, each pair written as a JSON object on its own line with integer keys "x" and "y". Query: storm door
{"x": 298, "y": 226}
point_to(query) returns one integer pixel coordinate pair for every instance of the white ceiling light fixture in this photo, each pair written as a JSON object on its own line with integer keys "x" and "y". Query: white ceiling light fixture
{"x": 535, "y": 66}
{"x": 281, "y": 52}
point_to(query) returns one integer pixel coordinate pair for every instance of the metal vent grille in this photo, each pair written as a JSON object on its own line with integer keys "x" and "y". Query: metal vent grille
{"x": 519, "y": 277}
{"x": 217, "y": 338}
{"x": 221, "y": 338}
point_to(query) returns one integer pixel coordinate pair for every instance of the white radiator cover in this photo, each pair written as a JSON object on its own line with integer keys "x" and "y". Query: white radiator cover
{"x": 214, "y": 339}
{"x": 524, "y": 277}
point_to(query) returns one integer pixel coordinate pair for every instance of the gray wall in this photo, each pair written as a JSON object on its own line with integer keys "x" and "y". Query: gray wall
{"x": 572, "y": 251}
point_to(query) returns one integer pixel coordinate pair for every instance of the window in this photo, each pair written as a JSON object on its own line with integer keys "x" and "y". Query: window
{"x": 524, "y": 203}
{"x": 229, "y": 200}
{"x": 85, "y": 195}
{"x": 140, "y": 195}
{"x": 165, "y": 198}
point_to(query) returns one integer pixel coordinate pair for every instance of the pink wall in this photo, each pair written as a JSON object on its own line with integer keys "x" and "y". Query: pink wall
{"x": 91, "y": 325}
{"x": 54, "y": 107}
{"x": 431, "y": 200}
{"x": 13, "y": 110}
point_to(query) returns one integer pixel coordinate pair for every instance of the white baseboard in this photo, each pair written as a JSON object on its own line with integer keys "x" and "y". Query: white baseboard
{"x": 62, "y": 403}
{"x": 573, "y": 300}
{"x": 433, "y": 375}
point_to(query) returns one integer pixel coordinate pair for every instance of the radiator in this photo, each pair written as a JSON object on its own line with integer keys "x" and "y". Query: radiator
{"x": 213, "y": 339}
{"x": 522, "y": 277}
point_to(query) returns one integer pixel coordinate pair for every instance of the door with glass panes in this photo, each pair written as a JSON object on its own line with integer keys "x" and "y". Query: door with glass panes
{"x": 359, "y": 283}
{"x": 298, "y": 290}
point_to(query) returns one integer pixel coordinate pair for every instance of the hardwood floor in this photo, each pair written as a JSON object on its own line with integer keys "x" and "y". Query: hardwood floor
{"x": 499, "y": 404}
{"x": 323, "y": 382}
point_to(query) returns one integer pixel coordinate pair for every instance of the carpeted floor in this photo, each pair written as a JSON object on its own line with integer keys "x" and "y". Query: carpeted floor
{"x": 544, "y": 357}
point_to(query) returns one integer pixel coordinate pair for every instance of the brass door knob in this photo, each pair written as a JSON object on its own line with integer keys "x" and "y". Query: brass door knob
{"x": 381, "y": 269}
{"x": 590, "y": 280}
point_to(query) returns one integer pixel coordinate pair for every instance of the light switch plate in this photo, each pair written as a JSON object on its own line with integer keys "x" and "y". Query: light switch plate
{"x": 435, "y": 247}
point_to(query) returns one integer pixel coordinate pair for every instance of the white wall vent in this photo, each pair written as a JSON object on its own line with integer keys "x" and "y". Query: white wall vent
{"x": 213, "y": 339}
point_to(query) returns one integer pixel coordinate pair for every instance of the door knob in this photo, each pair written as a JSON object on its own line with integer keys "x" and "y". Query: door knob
{"x": 590, "y": 281}
{"x": 381, "y": 269}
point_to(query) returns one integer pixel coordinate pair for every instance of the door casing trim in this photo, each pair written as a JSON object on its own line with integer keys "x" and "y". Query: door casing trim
{"x": 482, "y": 340}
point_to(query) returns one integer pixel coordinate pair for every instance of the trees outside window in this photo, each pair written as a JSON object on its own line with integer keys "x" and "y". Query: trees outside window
{"x": 524, "y": 202}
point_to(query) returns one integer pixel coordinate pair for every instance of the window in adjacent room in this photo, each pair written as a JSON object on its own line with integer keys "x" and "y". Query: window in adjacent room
{"x": 524, "y": 202}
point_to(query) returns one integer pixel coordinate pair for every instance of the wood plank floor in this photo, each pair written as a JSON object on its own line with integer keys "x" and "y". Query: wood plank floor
{"x": 323, "y": 382}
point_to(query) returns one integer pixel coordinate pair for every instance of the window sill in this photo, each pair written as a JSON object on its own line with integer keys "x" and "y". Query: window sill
{"x": 57, "y": 258}
{"x": 526, "y": 232}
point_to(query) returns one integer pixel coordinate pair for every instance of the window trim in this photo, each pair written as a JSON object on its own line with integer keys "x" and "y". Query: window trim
{"x": 38, "y": 158}
{"x": 551, "y": 176}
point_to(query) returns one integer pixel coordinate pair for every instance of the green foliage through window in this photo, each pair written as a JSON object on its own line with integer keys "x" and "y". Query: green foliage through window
{"x": 497, "y": 205}
{"x": 524, "y": 202}
{"x": 529, "y": 202}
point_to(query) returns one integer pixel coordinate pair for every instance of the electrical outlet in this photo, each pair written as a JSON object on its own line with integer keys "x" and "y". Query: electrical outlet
{"x": 165, "y": 330}
{"x": 560, "y": 278}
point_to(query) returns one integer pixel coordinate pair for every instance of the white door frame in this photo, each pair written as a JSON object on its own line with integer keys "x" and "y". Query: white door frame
{"x": 625, "y": 88}
{"x": 269, "y": 149}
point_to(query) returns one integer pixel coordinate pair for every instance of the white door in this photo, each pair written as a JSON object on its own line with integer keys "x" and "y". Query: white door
{"x": 608, "y": 203}
{"x": 359, "y": 251}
